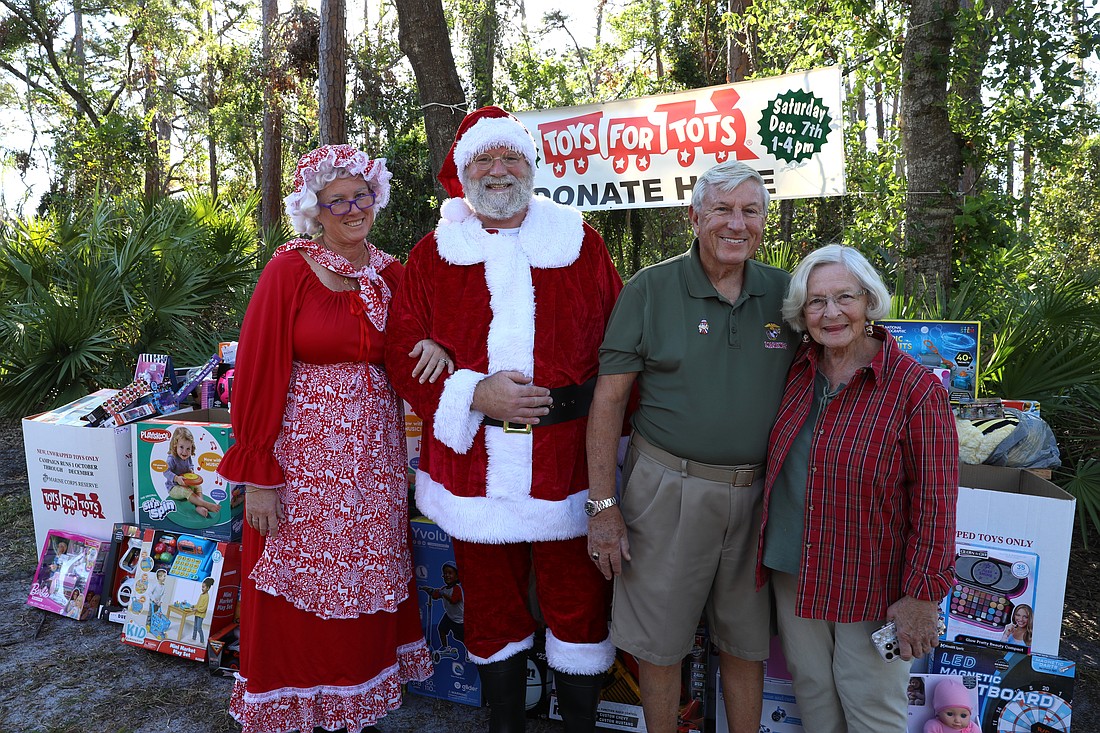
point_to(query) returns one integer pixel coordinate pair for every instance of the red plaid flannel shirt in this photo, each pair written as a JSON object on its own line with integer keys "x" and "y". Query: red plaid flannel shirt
{"x": 881, "y": 487}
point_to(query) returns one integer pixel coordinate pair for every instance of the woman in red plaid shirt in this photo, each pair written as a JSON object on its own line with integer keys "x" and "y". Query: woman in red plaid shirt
{"x": 859, "y": 504}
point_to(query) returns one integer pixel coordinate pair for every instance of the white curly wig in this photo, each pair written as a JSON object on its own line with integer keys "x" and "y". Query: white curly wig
{"x": 318, "y": 168}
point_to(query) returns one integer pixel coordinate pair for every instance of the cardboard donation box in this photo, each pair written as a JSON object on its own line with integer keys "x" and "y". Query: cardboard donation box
{"x": 439, "y": 598}
{"x": 1016, "y": 692}
{"x": 176, "y": 458}
{"x": 69, "y": 578}
{"x": 1012, "y": 557}
{"x": 80, "y": 478}
{"x": 185, "y": 592}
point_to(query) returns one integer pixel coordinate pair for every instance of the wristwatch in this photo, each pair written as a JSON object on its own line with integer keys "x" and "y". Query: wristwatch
{"x": 592, "y": 507}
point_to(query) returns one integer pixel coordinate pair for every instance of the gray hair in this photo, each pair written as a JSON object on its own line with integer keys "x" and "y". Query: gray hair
{"x": 878, "y": 297}
{"x": 725, "y": 177}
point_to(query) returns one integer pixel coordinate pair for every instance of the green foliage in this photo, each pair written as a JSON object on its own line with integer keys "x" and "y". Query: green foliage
{"x": 84, "y": 294}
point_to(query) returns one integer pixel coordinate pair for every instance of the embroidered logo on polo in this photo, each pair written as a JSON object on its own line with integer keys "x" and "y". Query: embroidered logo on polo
{"x": 773, "y": 336}
{"x": 704, "y": 327}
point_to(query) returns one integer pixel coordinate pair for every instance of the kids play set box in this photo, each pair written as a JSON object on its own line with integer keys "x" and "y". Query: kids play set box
{"x": 185, "y": 592}
{"x": 176, "y": 458}
{"x": 81, "y": 478}
{"x": 69, "y": 578}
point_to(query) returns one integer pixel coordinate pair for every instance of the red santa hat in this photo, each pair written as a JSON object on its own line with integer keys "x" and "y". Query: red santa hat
{"x": 950, "y": 693}
{"x": 481, "y": 130}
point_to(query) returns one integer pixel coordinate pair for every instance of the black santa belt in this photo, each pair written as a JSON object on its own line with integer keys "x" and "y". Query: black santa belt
{"x": 569, "y": 403}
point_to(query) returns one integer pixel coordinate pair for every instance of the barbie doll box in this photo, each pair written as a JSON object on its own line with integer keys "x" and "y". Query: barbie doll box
{"x": 69, "y": 578}
{"x": 1012, "y": 542}
{"x": 81, "y": 478}
{"x": 176, "y": 459}
{"x": 185, "y": 593}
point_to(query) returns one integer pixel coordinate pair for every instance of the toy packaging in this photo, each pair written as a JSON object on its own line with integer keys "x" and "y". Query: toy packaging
{"x": 949, "y": 349}
{"x": 118, "y": 572}
{"x": 176, "y": 458}
{"x": 620, "y": 706}
{"x": 926, "y": 690}
{"x": 414, "y": 432}
{"x": 439, "y": 597}
{"x": 1012, "y": 535}
{"x": 81, "y": 478}
{"x": 224, "y": 651}
{"x": 185, "y": 591}
{"x": 69, "y": 578}
{"x": 1017, "y": 692}
{"x": 993, "y": 596}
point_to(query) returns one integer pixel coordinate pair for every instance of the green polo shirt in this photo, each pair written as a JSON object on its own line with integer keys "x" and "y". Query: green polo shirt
{"x": 710, "y": 372}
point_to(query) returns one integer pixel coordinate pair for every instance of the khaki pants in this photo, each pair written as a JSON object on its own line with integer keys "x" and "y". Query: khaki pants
{"x": 841, "y": 683}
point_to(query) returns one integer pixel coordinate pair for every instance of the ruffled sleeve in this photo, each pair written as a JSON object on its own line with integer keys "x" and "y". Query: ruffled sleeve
{"x": 262, "y": 374}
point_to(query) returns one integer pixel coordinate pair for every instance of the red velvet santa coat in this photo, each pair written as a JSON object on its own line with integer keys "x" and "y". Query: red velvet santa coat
{"x": 536, "y": 302}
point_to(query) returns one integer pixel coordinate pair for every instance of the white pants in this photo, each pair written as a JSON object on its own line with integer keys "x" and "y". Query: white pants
{"x": 841, "y": 683}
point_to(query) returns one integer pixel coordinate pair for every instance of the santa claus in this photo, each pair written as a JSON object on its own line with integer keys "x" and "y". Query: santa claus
{"x": 518, "y": 289}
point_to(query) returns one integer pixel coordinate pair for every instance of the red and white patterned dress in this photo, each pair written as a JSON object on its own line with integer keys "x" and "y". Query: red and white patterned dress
{"x": 329, "y": 624}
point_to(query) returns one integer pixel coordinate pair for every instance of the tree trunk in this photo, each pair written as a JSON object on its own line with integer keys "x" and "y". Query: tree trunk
{"x": 424, "y": 38}
{"x": 78, "y": 43}
{"x": 271, "y": 161}
{"x": 152, "y": 135}
{"x": 932, "y": 150}
{"x": 211, "y": 103}
{"x": 332, "y": 74}
{"x": 482, "y": 26}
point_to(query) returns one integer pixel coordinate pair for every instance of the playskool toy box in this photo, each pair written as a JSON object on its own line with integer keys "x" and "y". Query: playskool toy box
{"x": 185, "y": 592}
{"x": 69, "y": 578}
{"x": 81, "y": 479}
{"x": 176, "y": 459}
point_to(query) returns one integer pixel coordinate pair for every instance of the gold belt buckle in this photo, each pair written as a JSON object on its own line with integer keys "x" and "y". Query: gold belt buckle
{"x": 518, "y": 429}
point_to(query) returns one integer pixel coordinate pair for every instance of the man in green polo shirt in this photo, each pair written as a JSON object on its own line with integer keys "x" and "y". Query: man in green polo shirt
{"x": 703, "y": 337}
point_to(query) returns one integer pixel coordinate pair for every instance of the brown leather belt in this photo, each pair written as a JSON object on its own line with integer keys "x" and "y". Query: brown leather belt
{"x": 569, "y": 403}
{"x": 739, "y": 476}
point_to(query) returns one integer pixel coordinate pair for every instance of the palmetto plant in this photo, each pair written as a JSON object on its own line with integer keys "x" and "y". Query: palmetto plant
{"x": 1040, "y": 341}
{"x": 81, "y": 295}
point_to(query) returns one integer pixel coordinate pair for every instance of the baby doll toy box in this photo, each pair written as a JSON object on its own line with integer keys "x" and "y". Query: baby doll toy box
{"x": 176, "y": 458}
{"x": 69, "y": 578}
{"x": 185, "y": 593}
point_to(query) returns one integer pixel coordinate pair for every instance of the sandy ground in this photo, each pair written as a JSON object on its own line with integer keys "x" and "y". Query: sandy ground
{"x": 63, "y": 676}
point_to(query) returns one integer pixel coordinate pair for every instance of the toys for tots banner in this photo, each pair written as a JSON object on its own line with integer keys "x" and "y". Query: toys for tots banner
{"x": 647, "y": 152}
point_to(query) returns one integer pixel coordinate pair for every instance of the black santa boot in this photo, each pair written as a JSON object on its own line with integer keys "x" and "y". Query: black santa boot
{"x": 505, "y": 686}
{"x": 578, "y": 696}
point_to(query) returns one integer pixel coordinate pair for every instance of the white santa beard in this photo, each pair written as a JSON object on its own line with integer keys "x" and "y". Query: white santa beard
{"x": 497, "y": 204}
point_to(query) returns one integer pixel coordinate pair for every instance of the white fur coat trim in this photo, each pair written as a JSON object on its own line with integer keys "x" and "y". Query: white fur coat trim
{"x": 573, "y": 658}
{"x": 510, "y": 649}
{"x": 550, "y": 235}
{"x": 514, "y": 518}
{"x": 455, "y": 422}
